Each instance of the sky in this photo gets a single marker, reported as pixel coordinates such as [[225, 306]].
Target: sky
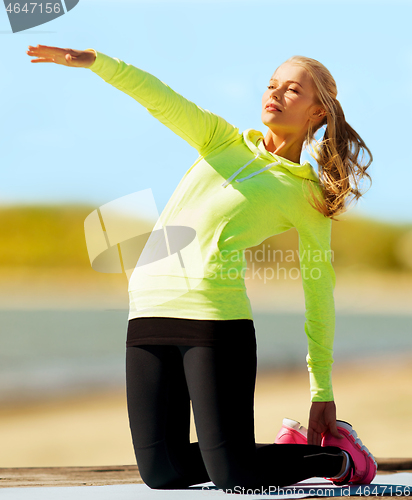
[[67, 136]]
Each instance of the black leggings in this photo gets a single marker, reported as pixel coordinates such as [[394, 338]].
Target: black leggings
[[220, 382]]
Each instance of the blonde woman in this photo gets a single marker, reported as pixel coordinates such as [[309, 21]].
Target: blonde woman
[[200, 345]]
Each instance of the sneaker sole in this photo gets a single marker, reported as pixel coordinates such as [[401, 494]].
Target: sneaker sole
[[356, 441], [353, 433]]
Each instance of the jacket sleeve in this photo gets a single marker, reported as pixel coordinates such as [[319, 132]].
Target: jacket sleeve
[[319, 279], [202, 129]]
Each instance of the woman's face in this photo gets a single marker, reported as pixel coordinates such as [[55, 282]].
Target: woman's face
[[290, 101]]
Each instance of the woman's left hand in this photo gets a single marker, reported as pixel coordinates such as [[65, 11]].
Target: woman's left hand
[[322, 418]]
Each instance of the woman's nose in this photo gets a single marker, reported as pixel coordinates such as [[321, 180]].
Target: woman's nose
[[275, 94]]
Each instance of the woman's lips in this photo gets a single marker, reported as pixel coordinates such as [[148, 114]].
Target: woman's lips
[[272, 107]]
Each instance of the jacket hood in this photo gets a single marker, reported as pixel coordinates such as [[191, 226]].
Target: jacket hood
[[254, 141]]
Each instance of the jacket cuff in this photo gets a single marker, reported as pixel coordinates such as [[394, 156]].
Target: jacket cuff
[[321, 386], [104, 66]]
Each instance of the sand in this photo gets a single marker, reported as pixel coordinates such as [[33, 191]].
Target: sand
[[93, 431]]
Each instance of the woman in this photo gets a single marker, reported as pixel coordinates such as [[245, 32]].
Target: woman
[[190, 334]]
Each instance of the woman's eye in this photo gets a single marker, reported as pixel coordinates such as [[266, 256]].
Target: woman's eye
[[293, 90]]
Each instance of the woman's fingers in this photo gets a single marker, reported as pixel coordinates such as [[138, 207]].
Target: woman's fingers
[[43, 59], [44, 50], [44, 53], [39, 59]]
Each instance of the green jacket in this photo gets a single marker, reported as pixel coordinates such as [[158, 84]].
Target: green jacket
[[235, 196]]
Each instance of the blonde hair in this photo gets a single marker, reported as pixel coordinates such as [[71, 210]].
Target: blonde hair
[[340, 154]]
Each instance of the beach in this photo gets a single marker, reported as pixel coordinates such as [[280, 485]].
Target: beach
[[91, 428]]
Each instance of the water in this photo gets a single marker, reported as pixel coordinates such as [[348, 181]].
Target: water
[[55, 353]]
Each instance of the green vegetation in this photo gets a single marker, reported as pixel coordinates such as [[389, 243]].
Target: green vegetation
[[43, 236], [357, 244], [53, 236]]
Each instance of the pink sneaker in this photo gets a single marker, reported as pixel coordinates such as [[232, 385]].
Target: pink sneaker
[[291, 432], [363, 465]]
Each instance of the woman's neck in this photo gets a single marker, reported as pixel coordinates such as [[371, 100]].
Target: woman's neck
[[287, 147]]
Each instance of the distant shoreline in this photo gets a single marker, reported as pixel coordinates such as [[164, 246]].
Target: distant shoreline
[[356, 291]]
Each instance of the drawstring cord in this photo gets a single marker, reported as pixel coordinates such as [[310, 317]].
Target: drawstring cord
[[235, 174], [259, 171], [229, 180]]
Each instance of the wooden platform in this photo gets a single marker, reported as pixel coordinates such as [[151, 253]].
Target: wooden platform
[[122, 474]]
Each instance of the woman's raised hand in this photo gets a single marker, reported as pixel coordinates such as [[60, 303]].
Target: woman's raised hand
[[66, 57]]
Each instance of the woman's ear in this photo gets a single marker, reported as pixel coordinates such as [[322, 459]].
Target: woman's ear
[[317, 113]]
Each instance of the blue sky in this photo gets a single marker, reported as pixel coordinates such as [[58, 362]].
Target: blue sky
[[68, 136]]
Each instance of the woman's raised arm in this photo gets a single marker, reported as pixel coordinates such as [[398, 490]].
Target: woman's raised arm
[[200, 128]]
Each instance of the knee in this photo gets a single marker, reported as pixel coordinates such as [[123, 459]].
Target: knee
[[157, 472], [156, 479], [229, 478]]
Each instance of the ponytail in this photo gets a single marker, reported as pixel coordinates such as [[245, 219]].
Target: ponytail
[[341, 152]]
